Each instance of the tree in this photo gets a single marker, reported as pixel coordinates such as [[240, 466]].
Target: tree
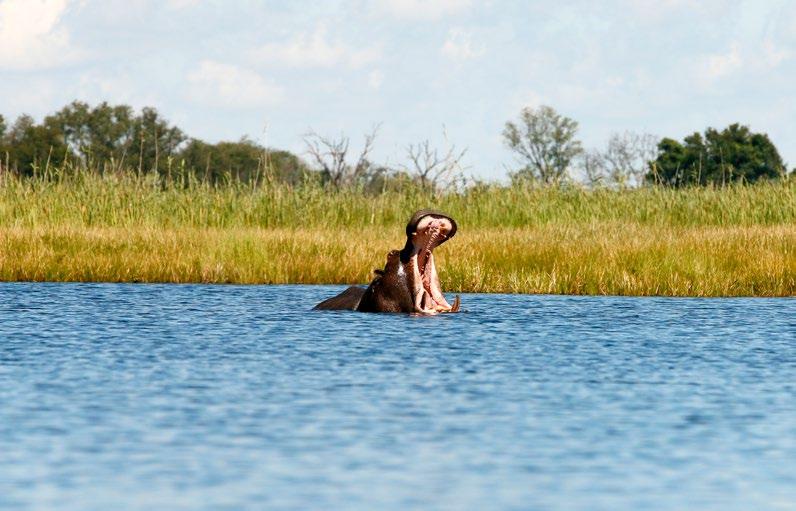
[[718, 157], [100, 136], [624, 162], [592, 162], [545, 142], [32, 148], [156, 139], [286, 167], [383, 179], [244, 160], [331, 155], [113, 135], [115, 138], [627, 157], [430, 168]]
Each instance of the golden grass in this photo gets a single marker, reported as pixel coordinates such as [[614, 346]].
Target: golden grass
[[616, 258], [75, 225]]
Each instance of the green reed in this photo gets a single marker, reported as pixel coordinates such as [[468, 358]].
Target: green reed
[[81, 198], [74, 225]]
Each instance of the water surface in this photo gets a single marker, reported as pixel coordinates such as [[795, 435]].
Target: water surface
[[231, 397]]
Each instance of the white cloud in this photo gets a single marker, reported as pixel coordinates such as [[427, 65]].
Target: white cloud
[[115, 86], [717, 66], [739, 60], [774, 55], [459, 46], [316, 50], [657, 11], [375, 79], [423, 9], [227, 85], [30, 35], [182, 4], [35, 95], [526, 99]]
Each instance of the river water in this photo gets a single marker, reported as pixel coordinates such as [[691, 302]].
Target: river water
[[134, 397]]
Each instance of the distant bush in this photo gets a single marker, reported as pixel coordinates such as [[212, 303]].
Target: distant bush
[[735, 154], [243, 160]]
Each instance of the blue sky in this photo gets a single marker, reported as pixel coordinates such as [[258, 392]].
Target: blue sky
[[273, 70]]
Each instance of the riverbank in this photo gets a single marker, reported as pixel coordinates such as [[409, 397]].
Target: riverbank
[[738, 241]]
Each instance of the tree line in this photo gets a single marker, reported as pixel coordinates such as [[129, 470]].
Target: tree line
[[547, 149], [115, 138]]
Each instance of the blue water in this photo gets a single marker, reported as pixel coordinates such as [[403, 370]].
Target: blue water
[[230, 397]]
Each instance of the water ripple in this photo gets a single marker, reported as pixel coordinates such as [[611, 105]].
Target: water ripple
[[228, 397]]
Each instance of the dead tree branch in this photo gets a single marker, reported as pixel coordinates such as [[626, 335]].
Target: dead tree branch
[[431, 168], [331, 155]]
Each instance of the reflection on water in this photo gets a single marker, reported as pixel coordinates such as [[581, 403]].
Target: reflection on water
[[227, 397]]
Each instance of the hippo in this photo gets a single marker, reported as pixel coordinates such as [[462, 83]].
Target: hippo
[[409, 282]]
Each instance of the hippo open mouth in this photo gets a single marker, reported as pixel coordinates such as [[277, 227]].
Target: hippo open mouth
[[425, 231], [409, 282]]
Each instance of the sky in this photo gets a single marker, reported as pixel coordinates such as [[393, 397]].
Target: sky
[[449, 71]]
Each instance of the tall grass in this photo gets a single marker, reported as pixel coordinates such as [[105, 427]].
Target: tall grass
[[88, 200], [80, 226]]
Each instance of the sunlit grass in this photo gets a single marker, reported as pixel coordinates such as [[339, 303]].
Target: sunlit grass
[[652, 241]]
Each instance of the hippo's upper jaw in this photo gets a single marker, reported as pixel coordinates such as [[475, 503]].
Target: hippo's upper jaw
[[425, 231]]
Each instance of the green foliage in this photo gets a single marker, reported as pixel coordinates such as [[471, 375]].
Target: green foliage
[[30, 148], [156, 140], [110, 137], [545, 142], [720, 157], [114, 138], [244, 160], [99, 134], [286, 167], [384, 180]]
